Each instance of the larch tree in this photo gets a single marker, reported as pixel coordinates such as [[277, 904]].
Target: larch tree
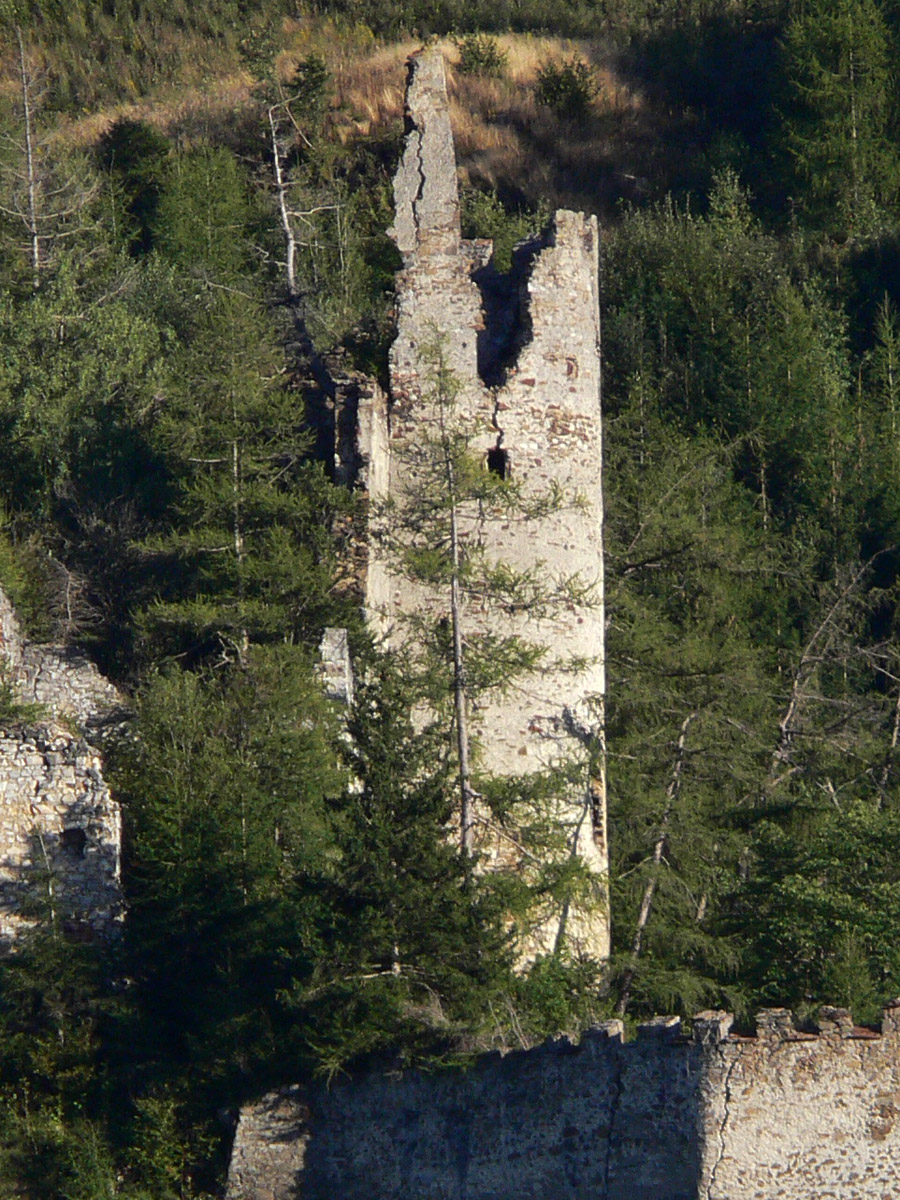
[[838, 113]]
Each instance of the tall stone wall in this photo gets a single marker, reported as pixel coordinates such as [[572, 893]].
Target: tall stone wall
[[537, 421], [665, 1117], [60, 829]]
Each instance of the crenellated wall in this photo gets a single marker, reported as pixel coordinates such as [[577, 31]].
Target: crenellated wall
[[712, 1116], [523, 354], [60, 829]]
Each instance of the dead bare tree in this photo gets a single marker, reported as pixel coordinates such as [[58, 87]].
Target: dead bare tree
[[47, 202], [659, 849], [782, 765]]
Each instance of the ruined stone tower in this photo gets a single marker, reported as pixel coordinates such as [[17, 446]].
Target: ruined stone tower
[[524, 360]]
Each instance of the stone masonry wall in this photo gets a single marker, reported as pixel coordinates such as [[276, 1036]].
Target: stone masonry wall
[[58, 678], [715, 1116], [540, 417], [60, 834], [60, 829], [12, 644]]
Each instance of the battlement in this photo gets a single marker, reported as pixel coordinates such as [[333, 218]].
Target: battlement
[[668, 1115]]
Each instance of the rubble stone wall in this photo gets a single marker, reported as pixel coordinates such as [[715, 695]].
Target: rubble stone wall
[[12, 643], [60, 834], [60, 829], [665, 1117], [60, 679]]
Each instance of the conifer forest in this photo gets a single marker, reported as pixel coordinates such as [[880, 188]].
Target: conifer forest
[[193, 211]]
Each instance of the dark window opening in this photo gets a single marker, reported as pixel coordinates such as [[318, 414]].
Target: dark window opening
[[498, 461], [73, 841]]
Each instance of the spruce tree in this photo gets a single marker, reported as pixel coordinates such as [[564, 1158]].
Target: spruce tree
[[837, 118]]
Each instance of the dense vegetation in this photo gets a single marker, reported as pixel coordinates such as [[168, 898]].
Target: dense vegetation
[[293, 903]]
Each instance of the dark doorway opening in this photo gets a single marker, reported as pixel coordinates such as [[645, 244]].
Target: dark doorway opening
[[498, 461]]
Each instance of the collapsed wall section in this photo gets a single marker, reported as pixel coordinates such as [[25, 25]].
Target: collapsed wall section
[[540, 429], [665, 1117], [60, 829]]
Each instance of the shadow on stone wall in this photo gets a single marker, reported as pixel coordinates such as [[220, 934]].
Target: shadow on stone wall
[[664, 1117]]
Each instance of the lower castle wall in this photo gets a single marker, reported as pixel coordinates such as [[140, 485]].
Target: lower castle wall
[[783, 1114]]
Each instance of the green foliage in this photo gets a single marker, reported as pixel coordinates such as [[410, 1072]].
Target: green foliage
[[480, 54], [817, 913], [412, 948], [225, 787], [838, 115], [76, 375], [249, 550], [484, 215], [134, 153], [557, 996], [567, 89], [310, 88], [201, 218], [51, 1077]]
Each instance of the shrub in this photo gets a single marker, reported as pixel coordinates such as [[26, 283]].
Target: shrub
[[485, 216], [480, 55], [567, 89]]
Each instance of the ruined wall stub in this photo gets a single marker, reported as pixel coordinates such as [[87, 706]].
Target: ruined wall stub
[[664, 1117], [542, 416], [60, 829]]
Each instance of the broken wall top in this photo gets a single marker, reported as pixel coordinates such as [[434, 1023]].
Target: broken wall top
[[60, 679], [426, 195]]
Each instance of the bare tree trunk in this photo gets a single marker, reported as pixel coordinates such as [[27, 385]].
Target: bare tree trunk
[[30, 165], [238, 534], [809, 659], [459, 692], [889, 757], [466, 792], [281, 193], [658, 850]]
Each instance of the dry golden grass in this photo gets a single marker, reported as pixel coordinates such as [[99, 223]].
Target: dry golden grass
[[504, 139], [188, 115], [370, 91]]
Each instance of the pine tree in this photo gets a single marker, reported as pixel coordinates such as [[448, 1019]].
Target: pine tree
[[412, 946], [251, 557]]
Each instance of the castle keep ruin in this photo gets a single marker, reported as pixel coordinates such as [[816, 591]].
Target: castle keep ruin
[[523, 368], [60, 829]]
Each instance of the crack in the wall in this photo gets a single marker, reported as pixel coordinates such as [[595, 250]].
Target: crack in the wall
[[417, 132], [495, 419], [615, 1105], [726, 1113]]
